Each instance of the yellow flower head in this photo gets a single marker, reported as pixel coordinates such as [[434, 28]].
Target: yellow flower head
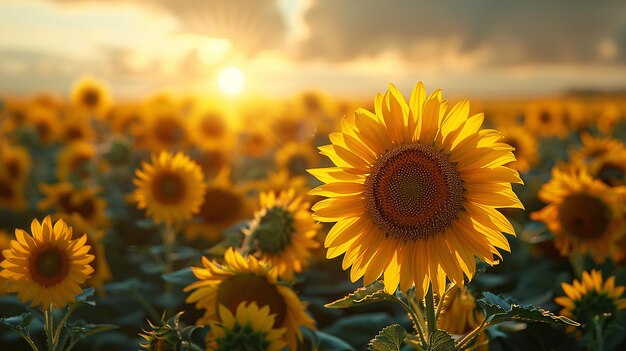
[[591, 297], [47, 267], [546, 119], [583, 214], [415, 192], [245, 279], [91, 95], [66, 198], [525, 145], [296, 158], [460, 315], [171, 188], [75, 161], [249, 328], [283, 232]]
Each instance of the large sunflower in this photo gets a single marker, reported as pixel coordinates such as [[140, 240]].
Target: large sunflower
[[47, 267], [591, 297], [583, 214], [415, 192], [248, 328], [245, 279], [171, 188], [283, 232], [66, 198]]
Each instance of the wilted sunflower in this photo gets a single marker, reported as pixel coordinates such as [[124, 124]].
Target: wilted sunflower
[[525, 145], [171, 188], [224, 205], [591, 297], [583, 214], [415, 192], [66, 198], [546, 119], [283, 232], [75, 162], [460, 315], [296, 158], [91, 95], [47, 267], [248, 328], [245, 279]]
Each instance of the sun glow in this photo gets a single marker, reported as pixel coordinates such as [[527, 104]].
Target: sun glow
[[231, 80]]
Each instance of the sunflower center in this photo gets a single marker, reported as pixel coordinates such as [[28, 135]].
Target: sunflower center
[[220, 205], [74, 133], [168, 188], [168, 130], [43, 129], [212, 126], [583, 216], [593, 304], [274, 230], [250, 287], [49, 266], [6, 190], [612, 175], [91, 97], [86, 208], [80, 165], [212, 162], [13, 168], [242, 338], [544, 117], [414, 192]]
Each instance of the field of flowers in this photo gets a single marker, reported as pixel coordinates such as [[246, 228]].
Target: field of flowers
[[312, 223]]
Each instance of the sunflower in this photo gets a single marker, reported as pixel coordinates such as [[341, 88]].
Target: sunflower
[[546, 119], [214, 159], [75, 161], [165, 129], [209, 127], [66, 198], [460, 315], [583, 214], [127, 119], [608, 117], [11, 194], [101, 270], [224, 205], [255, 142], [76, 126], [415, 192], [249, 328], [245, 279], [171, 188], [296, 158], [5, 243], [47, 267], [282, 232], [594, 149], [525, 145], [591, 297], [45, 122], [15, 163], [611, 170], [91, 95], [281, 180], [290, 127]]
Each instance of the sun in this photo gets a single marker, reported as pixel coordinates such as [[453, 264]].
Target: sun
[[231, 80]]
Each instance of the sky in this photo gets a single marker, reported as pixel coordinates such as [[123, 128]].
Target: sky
[[349, 48]]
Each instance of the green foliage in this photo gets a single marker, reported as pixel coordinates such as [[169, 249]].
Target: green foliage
[[372, 293], [498, 309], [388, 339], [440, 340]]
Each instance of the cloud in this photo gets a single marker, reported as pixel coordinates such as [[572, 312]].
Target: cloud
[[498, 32]]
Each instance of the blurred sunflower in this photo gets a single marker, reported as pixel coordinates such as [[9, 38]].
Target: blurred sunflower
[[609, 116], [255, 141], [525, 145], [76, 161], [245, 279], [224, 205], [591, 297], [546, 119], [47, 267], [5, 243], [595, 148], [209, 127], [281, 180], [91, 95], [460, 315], [101, 270], [15, 163], [290, 127], [46, 124], [13, 115], [611, 169], [296, 158], [127, 119], [11, 194], [583, 214], [248, 328], [283, 232], [66, 198], [171, 188], [166, 129], [415, 192], [214, 159], [76, 126]]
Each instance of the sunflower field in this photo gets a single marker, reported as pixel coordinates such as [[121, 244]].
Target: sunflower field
[[409, 219]]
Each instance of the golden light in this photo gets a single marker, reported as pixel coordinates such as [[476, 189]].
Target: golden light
[[231, 80]]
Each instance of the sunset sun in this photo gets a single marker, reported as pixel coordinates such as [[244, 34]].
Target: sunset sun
[[231, 80]]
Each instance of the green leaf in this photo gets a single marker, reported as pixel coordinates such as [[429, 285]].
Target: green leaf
[[85, 295], [499, 309], [83, 329], [371, 293], [181, 277], [440, 340], [17, 323], [388, 339]]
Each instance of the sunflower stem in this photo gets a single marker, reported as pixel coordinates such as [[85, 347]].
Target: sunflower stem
[[430, 311], [440, 304], [469, 337], [59, 329], [416, 320], [599, 342], [49, 328]]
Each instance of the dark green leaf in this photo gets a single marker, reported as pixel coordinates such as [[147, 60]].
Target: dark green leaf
[[320, 341], [83, 329], [181, 277], [86, 294], [17, 323], [371, 293], [440, 340], [389, 339], [498, 309]]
